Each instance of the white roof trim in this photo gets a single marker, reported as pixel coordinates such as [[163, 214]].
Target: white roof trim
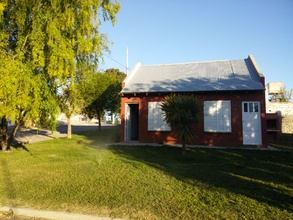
[[132, 72], [251, 57]]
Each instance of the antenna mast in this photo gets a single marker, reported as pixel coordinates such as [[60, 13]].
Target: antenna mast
[[126, 60]]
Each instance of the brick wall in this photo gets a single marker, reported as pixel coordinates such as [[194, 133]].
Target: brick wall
[[233, 138], [286, 111]]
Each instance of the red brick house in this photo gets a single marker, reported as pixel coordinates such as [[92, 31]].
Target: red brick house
[[232, 92]]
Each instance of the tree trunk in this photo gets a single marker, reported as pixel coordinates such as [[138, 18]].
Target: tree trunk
[[12, 135], [5, 141], [69, 130], [3, 135], [100, 123]]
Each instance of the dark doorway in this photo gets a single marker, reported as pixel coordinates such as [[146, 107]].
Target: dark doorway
[[131, 122], [134, 121]]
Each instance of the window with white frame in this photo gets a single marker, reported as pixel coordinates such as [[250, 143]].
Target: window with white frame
[[217, 116], [155, 118]]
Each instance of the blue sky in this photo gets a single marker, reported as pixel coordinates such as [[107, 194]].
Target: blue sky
[[179, 31]]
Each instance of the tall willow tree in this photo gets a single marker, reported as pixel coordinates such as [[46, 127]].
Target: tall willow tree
[[45, 45], [20, 97]]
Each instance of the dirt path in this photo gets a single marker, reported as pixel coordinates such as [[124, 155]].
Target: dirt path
[[31, 214]]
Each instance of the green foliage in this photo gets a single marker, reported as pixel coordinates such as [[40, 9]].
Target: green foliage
[[56, 35], [181, 112], [45, 46], [48, 108], [101, 92], [283, 96], [20, 90], [93, 87], [84, 175], [70, 100], [112, 94]]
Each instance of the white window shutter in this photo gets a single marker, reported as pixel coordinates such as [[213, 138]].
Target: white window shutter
[[217, 116], [155, 118], [226, 106], [151, 118], [210, 116]]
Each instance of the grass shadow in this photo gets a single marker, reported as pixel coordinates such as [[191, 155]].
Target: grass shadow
[[94, 138], [261, 175], [265, 176], [19, 145]]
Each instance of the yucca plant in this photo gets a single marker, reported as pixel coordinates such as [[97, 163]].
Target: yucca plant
[[182, 113]]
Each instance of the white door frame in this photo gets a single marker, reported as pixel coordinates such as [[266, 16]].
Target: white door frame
[[127, 123]]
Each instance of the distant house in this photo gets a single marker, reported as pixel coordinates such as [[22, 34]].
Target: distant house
[[232, 92]]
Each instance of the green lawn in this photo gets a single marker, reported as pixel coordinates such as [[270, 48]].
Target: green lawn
[[83, 175]]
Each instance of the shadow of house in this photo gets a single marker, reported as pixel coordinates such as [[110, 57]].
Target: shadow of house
[[256, 175], [261, 175]]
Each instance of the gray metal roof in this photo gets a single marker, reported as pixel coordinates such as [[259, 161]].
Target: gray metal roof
[[223, 75]]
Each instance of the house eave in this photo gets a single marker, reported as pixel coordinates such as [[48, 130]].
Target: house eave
[[147, 93]]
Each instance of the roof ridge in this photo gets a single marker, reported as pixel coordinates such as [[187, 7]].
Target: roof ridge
[[183, 63]]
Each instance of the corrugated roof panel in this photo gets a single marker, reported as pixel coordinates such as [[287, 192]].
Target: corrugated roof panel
[[188, 77]]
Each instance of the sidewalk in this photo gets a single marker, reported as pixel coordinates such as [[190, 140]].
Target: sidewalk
[[17, 213], [32, 135], [135, 143], [26, 136]]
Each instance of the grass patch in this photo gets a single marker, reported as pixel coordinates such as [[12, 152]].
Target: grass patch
[[84, 175]]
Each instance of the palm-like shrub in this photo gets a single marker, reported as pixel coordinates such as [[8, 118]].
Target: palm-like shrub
[[182, 113]]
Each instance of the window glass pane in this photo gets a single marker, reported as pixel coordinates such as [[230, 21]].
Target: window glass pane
[[245, 107], [255, 107]]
